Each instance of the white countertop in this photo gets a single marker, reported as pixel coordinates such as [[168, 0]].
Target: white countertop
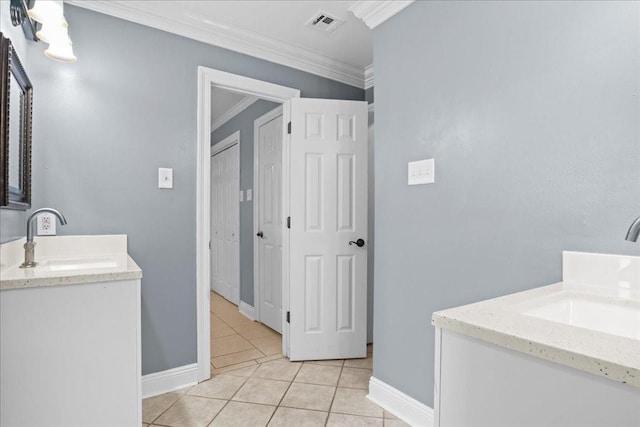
[[67, 260], [500, 321]]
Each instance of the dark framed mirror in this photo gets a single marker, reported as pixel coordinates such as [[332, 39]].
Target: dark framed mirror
[[15, 130]]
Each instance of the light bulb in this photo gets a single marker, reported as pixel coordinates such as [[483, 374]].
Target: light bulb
[[50, 33], [49, 11], [61, 51]]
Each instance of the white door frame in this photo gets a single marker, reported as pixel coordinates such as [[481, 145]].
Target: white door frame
[[207, 78], [219, 147], [256, 209]]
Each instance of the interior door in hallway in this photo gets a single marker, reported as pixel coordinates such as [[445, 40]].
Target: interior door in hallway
[[268, 134], [225, 222], [327, 252]]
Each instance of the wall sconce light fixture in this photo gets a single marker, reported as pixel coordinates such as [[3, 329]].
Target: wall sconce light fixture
[[19, 16], [54, 28]]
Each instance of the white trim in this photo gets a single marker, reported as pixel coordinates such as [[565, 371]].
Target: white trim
[[229, 141], [208, 78], [436, 378], [139, 384], [248, 311], [399, 404], [203, 225], [375, 12], [236, 39], [233, 111], [256, 208], [286, 212], [368, 76], [169, 380]]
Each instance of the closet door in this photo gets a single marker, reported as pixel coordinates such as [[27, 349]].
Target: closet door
[[225, 223]]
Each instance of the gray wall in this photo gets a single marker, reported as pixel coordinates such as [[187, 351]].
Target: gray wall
[[368, 95], [530, 110], [243, 122], [102, 127]]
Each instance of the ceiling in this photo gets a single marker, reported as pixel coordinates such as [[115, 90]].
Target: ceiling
[[226, 105], [274, 30], [223, 100]]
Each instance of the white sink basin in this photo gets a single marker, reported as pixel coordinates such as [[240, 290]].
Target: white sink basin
[[80, 264], [621, 318]]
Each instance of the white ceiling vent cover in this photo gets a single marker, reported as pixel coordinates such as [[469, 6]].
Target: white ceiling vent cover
[[324, 22]]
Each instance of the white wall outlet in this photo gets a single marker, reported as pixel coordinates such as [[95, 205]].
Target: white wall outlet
[[422, 172], [241, 196], [46, 224], [165, 177], [249, 195]]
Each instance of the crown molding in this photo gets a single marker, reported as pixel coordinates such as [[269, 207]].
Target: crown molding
[[368, 76], [375, 12], [233, 111], [238, 40]]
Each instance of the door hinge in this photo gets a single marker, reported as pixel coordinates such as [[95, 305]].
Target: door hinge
[[209, 244], [288, 222], [289, 128], [288, 317]]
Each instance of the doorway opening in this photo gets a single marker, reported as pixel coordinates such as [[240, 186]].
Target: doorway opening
[[246, 229], [209, 79], [324, 203]]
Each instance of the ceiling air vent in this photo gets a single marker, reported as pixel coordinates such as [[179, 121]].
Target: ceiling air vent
[[324, 22]]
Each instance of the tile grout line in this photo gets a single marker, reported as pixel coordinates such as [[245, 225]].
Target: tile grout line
[[283, 395], [334, 394], [163, 412], [236, 352], [238, 334], [228, 400]]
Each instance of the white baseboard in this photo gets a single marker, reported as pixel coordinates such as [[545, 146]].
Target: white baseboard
[[399, 404], [247, 310], [169, 380]]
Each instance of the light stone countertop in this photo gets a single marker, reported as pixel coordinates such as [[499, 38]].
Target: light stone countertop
[[500, 321], [101, 259]]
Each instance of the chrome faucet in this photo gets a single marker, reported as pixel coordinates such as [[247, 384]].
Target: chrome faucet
[[634, 231], [29, 247]]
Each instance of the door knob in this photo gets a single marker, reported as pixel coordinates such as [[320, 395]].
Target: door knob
[[260, 234], [359, 243]]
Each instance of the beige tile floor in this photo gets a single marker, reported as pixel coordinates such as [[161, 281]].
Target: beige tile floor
[[253, 384]]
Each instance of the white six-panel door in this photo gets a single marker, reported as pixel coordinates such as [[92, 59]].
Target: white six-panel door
[[327, 276], [269, 239], [225, 223]]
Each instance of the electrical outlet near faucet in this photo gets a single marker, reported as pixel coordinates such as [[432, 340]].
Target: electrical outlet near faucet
[[422, 172], [46, 224]]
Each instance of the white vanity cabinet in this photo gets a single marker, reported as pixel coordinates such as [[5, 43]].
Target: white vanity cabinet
[[562, 355], [481, 384], [70, 355], [70, 344]]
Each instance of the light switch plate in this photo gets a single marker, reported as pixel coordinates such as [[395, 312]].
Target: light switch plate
[[249, 194], [422, 172], [165, 177], [46, 224]]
